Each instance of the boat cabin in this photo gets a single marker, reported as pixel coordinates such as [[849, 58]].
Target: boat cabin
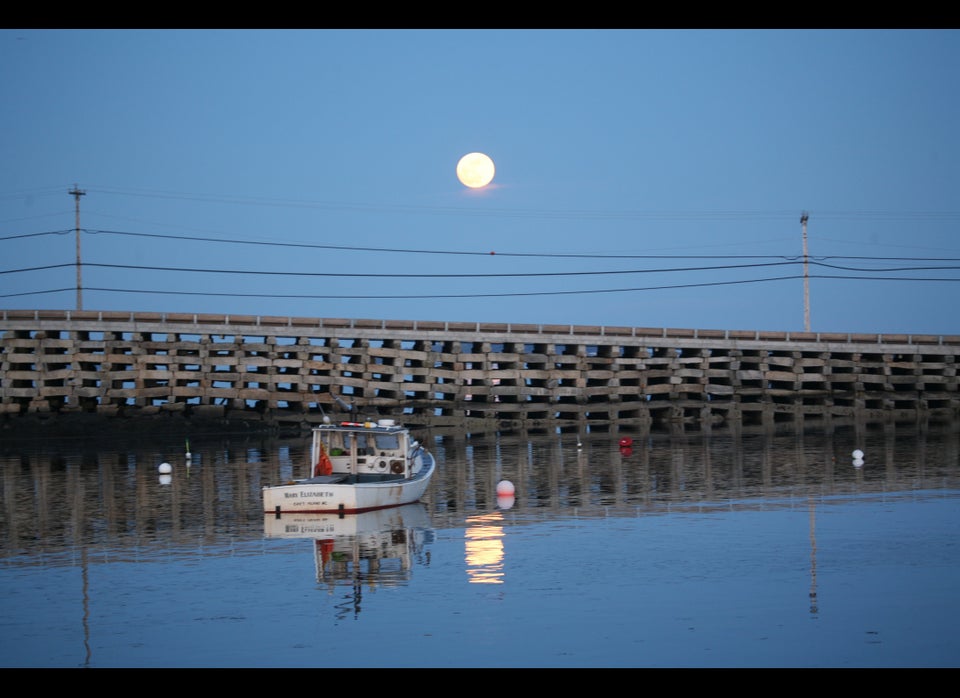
[[371, 451]]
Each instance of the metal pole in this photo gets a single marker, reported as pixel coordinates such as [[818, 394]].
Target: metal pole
[[76, 194], [806, 276]]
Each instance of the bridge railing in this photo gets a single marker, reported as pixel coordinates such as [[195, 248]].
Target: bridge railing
[[275, 322]]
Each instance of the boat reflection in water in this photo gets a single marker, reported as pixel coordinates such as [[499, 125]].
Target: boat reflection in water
[[369, 550]]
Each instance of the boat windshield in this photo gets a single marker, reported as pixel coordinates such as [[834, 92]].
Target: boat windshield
[[338, 443], [387, 442]]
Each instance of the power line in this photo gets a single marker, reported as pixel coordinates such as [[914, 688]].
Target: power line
[[376, 275], [491, 275], [34, 235], [545, 255], [784, 260], [354, 248], [436, 296], [740, 214]]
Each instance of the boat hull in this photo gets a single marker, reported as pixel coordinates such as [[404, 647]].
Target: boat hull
[[307, 497]]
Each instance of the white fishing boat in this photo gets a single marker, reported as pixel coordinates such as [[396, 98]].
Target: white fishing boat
[[356, 467]]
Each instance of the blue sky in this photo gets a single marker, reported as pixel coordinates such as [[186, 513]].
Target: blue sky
[[649, 178]]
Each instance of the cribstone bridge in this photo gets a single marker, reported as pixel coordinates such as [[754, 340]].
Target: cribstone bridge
[[287, 370]]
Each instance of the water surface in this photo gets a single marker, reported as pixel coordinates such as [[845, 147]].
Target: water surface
[[765, 549]]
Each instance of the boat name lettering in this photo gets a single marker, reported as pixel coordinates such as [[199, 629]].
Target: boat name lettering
[[317, 529]]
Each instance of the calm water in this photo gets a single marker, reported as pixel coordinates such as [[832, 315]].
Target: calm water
[[753, 549]]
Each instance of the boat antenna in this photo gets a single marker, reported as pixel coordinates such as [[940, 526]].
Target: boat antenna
[[343, 405], [347, 406]]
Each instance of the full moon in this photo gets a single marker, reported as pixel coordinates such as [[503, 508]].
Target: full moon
[[475, 170]]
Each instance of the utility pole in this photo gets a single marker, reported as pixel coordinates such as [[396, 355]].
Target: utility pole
[[806, 276], [76, 194]]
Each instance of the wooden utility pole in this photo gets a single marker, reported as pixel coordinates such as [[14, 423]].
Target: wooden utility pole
[[76, 194], [806, 277]]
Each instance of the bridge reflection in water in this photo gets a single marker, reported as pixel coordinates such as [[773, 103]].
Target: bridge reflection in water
[[58, 495]]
